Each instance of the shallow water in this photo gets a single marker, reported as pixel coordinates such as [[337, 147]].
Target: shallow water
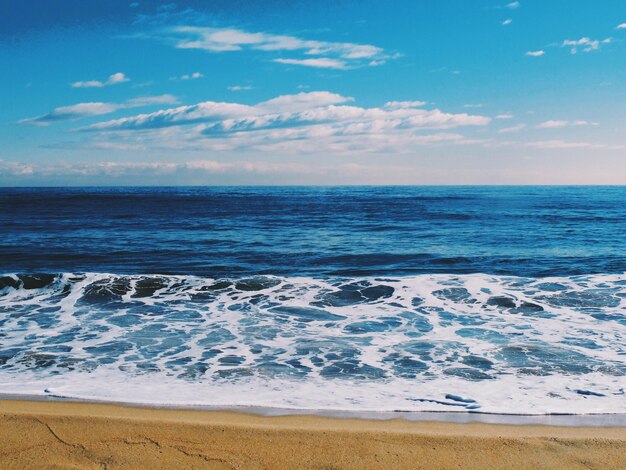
[[500, 300]]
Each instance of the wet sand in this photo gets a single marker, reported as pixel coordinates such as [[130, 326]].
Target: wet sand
[[41, 434]]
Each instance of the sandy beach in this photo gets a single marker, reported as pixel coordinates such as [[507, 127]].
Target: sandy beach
[[36, 434]]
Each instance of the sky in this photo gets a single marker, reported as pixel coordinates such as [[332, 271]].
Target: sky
[[230, 92]]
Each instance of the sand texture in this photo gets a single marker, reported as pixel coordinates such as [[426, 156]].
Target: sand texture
[[78, 435]]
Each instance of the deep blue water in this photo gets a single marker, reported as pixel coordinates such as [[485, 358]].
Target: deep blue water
[[524, 231], [496, 299]]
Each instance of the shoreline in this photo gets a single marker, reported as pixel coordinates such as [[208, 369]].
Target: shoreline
[[596, 420], [63, 434]]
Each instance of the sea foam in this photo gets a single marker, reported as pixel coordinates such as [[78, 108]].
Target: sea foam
[[477, 342]]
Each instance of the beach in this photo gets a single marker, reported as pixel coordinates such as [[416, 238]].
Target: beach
[[312, 235], [48, 434], [288, 328]]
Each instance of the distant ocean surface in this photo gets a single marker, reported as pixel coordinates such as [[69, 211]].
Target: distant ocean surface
[[484, 299]]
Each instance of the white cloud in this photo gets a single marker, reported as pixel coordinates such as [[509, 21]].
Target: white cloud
[[303, 122], [192, 76], [552, 124], [182, 115], [240, 87], [513, 5], [312, 53], [535, 53], [507, 22], [404, 104], [322, 62], [83, 110], [211, 111], [291, 110], [116, 169], [510, 130], [621, 26], [585, 43], [504, 116], [149, 101], [114, 79], [303, 101], [556, 124], [561, 144], [15, 169], [76, 111], [476, 105]]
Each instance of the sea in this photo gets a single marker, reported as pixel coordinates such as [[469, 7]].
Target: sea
[[506, 300]]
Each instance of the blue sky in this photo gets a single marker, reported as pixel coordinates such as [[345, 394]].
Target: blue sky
[[341, 92]]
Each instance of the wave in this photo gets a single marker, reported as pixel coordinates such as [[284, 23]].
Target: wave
[[433, 342]]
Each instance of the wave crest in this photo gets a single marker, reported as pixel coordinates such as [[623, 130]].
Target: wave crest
[[547, 344]]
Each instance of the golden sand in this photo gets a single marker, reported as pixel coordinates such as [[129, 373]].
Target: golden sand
[[79, 435]]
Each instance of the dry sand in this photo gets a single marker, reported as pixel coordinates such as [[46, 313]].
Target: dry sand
[[79, 435]]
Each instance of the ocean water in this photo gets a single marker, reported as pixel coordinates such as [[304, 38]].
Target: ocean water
[[471, 299]]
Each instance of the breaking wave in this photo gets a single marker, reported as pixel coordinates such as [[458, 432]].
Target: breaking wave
[[437, 342]]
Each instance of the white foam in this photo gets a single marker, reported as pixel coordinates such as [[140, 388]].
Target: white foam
[[505, 395], [574, 343]]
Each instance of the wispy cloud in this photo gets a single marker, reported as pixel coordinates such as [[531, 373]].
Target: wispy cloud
[[621, 26], [513, 5], [535, 53], [556, 124], [585, 44], [240, 87], [138, 168], [305, 122], [192, 76], [114, 79], [190, 169], [76, 111], [504, 116], [311, 107], [149, 101], [15, 169], [183, 115], [322, 63], [404, 104], [83, 110], [312, 53], [507, 22], [302, 101], [512, 129], [561, 144]]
